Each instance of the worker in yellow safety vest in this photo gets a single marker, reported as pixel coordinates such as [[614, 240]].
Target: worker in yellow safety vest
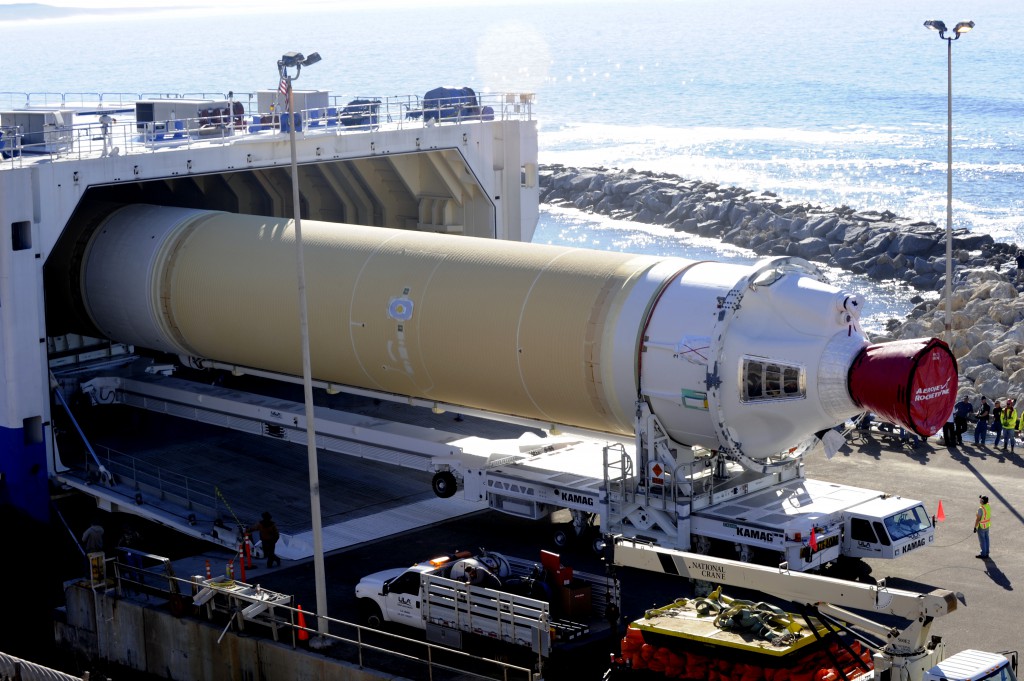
[[982, 523], [1009, 419]]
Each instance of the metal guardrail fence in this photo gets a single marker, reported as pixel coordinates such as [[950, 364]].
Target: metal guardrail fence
[[137, 573], [94, 136], [198, 496]]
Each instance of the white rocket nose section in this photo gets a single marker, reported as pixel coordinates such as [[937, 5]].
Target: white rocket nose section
[[912, 383]]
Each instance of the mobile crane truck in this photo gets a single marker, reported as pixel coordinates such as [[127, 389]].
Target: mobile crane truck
[[706, 639]]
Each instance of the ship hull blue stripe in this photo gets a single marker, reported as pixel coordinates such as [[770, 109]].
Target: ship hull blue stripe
[[24, 485]]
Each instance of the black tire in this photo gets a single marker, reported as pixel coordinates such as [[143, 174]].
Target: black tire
[[561, 537], [370, 614], [444, 484], [597, 545]]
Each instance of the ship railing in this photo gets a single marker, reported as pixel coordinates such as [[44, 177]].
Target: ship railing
[[88, 137], [136, 573], [147, 483], [393, 108], [66, 100]]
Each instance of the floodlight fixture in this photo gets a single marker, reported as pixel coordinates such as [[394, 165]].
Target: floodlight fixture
[[295, 60], [290, 59], [963, 27]]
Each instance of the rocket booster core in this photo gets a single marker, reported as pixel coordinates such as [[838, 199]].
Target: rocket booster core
[[744, 359]]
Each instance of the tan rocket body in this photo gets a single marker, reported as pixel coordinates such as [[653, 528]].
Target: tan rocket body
[[500, 326], [749, 359]]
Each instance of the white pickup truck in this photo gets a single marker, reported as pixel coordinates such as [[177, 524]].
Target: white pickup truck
[[537, 605]]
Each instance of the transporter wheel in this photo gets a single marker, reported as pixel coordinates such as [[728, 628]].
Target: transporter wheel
[[444, 484], [562, 536], [370, 614]]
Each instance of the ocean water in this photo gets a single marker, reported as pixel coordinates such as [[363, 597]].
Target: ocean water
[[833, 103]]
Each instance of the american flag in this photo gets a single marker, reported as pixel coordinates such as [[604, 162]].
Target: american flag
[[283, 87]]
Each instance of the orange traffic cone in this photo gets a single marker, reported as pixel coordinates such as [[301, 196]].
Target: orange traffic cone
[[940, 515], [814, 539], [303, 634]]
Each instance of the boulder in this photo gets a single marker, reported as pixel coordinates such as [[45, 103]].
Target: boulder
[[680, 211], [981, 350], [837, 234], [982, 373], [925, 282], [876, 244], [1012, 365], [581, 182], [811, 248], [689, 225], [625, 186], [656, 203], [911, 244], [881, 267], [971, 241], [646, 216], [1017, 380], [995, 387], [1001, 352]]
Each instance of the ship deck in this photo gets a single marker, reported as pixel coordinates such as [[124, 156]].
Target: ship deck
[[232, 477], [46, 127]]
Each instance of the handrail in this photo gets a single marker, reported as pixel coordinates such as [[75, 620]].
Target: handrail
[[127, 136], [159, 579], [192, 493]]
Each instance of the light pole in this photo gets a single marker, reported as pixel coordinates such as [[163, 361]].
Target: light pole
[[296, 61], [958, 30]]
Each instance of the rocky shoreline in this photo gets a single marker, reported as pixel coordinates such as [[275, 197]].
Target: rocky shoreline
[[987, 335]]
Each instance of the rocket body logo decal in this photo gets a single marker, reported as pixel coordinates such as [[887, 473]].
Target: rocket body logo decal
[[400, 308]]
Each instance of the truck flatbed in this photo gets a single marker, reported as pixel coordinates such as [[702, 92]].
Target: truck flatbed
[[686, 621], [736, 640]]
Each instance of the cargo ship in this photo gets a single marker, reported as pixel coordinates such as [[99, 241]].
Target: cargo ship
[[448, 162]]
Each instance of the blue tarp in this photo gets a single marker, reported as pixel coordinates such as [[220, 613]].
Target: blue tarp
[[360, 112], [450, 102]]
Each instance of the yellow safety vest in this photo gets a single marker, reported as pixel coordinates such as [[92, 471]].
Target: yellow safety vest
[[986, 516], [1009, 419]]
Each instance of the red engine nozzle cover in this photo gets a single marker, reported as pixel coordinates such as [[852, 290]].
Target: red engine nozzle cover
[[912, 383]]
